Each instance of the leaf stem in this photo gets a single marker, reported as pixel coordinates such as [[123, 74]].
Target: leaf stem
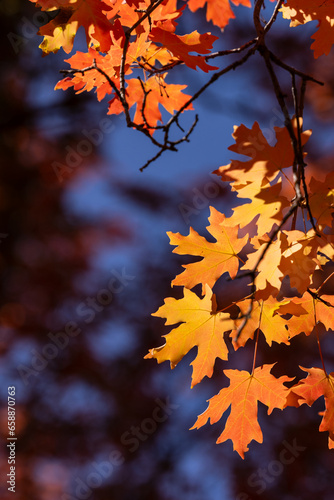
[[257, 339], [318, 339]]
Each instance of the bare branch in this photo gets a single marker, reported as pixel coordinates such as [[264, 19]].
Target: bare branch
[[293, 70], [317, 297], [274, 16], [231, 51]]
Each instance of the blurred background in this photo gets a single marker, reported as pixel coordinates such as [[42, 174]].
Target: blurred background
[[85, 260]]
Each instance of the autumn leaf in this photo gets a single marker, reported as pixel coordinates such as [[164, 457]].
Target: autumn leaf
[[243, 394], [268, 267], [109, 63], [92, 79], [266, 203], [60, 31], [299, 259], [217, 11], [160, 54], [301, 12], [317, 384], [265, 318], [163, 16], [292, 254], [266, 161], [326, 249], [321, 195], [181, 46], [307, 311], [217, 258], [201, 326], [157, 91]]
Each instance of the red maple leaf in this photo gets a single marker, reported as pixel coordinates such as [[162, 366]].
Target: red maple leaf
[[147, 96], [181, 46]]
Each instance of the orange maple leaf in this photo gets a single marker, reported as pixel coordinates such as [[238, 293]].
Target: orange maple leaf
[[201, 326], [160, 54], [292, 254], [157, 91], [181, 46], [317, 384], [89, 80], [109, 63], [302, 12], [266, 161], [217, 11], [163, 16], [307, 311], [217, 258], [60, 31], [326, 249], [242, 395], [321, 199]]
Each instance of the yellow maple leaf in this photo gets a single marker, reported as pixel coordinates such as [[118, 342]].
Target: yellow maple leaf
[[268, 267], [266, 204], [201, 326], [61, 31], [265, 318], [299, 259]]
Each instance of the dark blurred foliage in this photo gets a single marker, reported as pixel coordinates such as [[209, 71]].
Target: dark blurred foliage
[[94, 420]]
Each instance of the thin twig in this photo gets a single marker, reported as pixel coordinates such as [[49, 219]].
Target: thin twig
[[146, 92], [213, 79], [90, 68], [128, 33], [293, 70], [317, 297], [273, 17], [237, 50], [301, 166], [171, 146]]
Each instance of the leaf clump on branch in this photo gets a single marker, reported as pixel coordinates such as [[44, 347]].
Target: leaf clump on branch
[[281, 233]]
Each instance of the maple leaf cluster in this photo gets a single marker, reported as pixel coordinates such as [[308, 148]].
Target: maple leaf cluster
[[278, 236], [265, 180], [123, 37]]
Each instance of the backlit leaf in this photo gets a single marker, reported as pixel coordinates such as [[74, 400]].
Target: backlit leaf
[[217, 258], [201, 326], [317, 384], [243, 394]]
